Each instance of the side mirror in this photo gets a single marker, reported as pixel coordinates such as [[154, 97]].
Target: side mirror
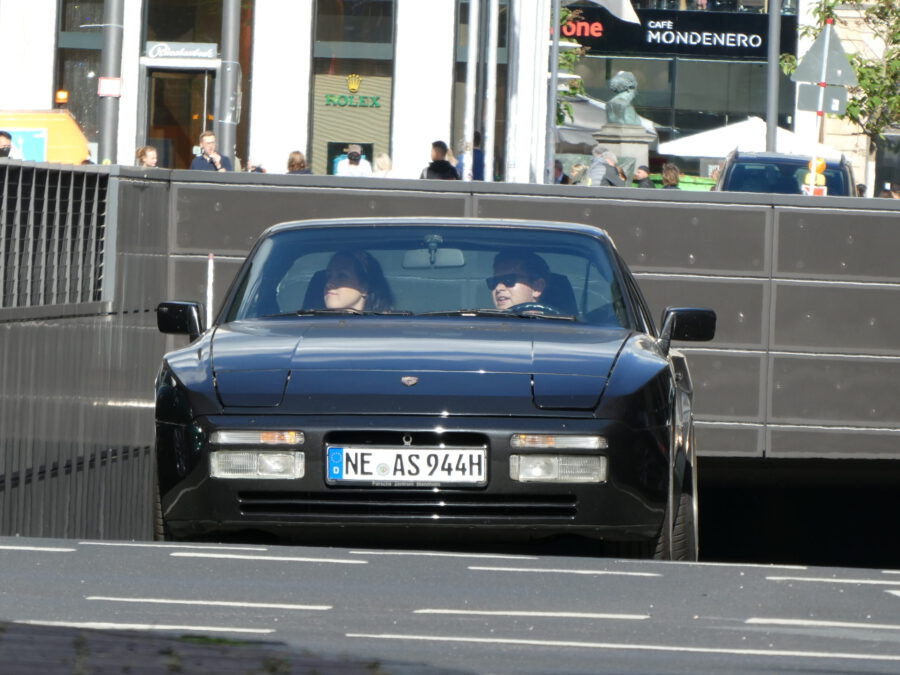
[[180, 318], [688, 324]]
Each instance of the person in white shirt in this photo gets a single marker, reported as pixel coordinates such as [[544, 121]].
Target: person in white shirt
[[354, 164]]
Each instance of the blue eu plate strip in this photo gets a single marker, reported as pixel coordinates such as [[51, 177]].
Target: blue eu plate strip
[[335, 463]]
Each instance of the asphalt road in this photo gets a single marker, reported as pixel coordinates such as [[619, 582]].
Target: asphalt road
[[71, 606]]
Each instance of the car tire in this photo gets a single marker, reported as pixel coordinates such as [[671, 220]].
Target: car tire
[[160, 530], [683, 542]]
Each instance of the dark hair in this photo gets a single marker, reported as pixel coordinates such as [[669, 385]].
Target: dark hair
[[476, 141], [6, 134], [379, 297], [441, 146], [532, 264], [296, 161], [670, 174]]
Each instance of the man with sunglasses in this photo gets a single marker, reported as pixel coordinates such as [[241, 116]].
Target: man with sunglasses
[[519, 276]]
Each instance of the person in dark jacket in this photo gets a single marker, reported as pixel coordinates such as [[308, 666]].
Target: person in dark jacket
[[440, 168], [209, 158], [642, 177]]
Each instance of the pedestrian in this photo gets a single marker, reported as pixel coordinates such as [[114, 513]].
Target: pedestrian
[[354, 164], [603, 171], [383, 166], [578, 173], [559, 176], [209, 158], [670, 176], [440, 168], [895, 190], [642, 177], [6, 146], [146, 156], [861, 190], [297, 164], [477, 155]]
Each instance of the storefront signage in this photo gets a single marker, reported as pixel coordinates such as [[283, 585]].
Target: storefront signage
[[182, 50], [705, 34], [351, 100]]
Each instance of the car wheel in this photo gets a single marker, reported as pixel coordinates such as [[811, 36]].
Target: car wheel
[[683, 544]]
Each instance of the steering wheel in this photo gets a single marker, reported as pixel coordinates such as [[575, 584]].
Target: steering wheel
[[535, 308]]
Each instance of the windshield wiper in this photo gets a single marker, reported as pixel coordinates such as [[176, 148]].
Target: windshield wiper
[[324, 311], [498, 313]]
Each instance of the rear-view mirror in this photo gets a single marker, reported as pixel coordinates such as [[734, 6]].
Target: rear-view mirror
[[429, 258], [688, 324]]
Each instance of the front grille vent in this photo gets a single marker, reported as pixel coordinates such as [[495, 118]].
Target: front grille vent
[[390, 505]]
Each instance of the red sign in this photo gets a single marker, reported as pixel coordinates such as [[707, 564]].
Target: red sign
[[583, 29]]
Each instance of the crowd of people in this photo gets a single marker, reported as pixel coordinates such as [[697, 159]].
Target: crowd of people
[[603, 171]]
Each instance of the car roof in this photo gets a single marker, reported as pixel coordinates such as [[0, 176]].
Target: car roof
[[591, 230], [779, 157]]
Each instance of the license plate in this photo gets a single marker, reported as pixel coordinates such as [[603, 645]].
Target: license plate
[[407, 465]]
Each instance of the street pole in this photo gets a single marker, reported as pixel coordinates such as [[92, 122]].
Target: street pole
[[471, 85], [772, 68], [110, 72], [490, 90], [552, 95], [228, 112]]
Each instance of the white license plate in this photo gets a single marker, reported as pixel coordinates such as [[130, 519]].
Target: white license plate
[[407, 465]]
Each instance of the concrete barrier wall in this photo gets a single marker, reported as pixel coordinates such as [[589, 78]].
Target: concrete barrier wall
[[806, 363]]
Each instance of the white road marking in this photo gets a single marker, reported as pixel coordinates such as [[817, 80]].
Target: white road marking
[[437, 554], [812, 623], [564, 571], [683, 563], [630, 647], [209, 603], [276, 558], [890, 571], [894, 593], [100, 625], [550, 615], [44, 549], [204, 547], [825, 580]]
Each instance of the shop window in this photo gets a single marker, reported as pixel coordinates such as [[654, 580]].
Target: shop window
[[79, 42], [184, 20], [353, 68]]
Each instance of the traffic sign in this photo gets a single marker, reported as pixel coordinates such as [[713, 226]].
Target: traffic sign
[[826, 51], [834, 101]]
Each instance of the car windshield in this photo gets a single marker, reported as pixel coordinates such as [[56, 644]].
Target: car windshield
[[784, 177], [522, 272]]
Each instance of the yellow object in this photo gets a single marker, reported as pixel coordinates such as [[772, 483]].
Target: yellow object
[[820, 165], [65, 144]]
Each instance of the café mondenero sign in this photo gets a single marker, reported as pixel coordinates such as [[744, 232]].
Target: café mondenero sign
[[702, 34]]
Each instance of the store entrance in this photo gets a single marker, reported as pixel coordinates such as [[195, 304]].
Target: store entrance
[[181, 104]]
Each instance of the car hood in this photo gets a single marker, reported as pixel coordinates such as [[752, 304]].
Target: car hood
[[412, 366]]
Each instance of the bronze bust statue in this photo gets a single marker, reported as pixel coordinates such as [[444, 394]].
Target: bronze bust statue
[[619, 109]]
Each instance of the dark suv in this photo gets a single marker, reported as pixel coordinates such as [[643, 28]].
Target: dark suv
[[782, 174]]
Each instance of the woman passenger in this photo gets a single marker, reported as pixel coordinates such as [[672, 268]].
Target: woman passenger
[[354, 280]]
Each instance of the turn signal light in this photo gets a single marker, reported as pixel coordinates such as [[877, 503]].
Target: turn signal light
[[558, 441], [257, 438]]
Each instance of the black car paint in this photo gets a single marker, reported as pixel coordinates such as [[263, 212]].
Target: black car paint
[[637, 395]]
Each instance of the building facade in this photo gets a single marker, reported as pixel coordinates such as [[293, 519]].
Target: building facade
[[389, 75]]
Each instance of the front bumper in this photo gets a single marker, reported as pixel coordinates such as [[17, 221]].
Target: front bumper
[[628, 505]]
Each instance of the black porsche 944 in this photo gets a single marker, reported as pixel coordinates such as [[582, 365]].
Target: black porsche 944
[[436, 373]]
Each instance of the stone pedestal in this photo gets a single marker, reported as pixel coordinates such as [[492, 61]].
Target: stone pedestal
[[630, 143]]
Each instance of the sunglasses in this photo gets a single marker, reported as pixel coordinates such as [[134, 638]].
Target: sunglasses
[[508, 280]]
